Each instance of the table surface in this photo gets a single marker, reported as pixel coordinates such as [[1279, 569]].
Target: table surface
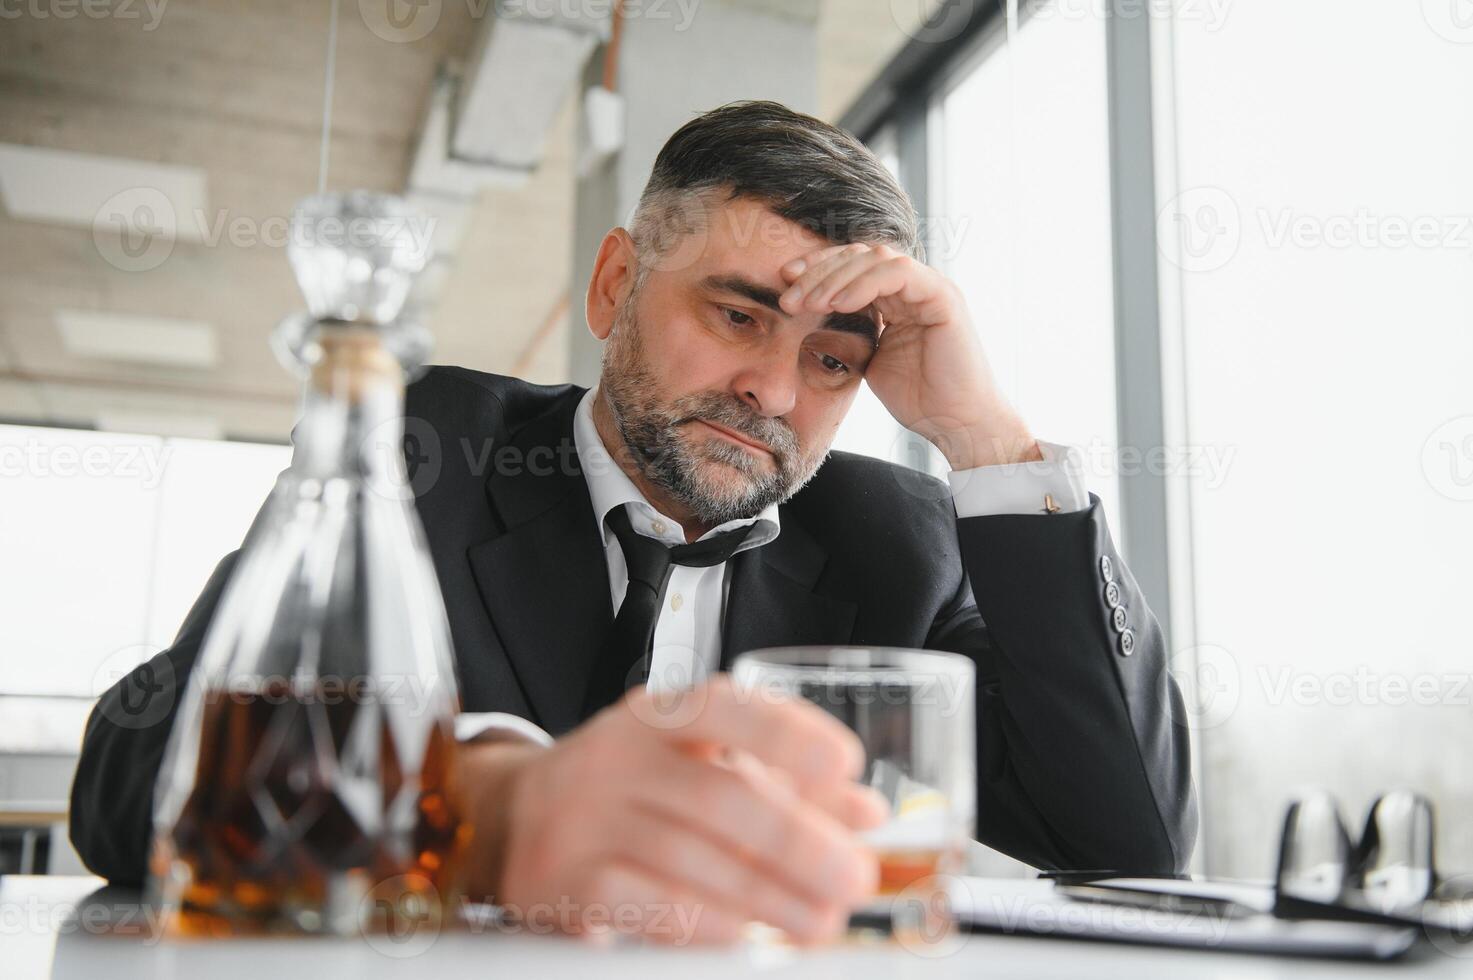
[[42, 934]]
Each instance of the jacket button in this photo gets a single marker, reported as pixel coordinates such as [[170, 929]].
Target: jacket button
[[1127, 643], [1117, 619], [1112, 594], [1107, 569]]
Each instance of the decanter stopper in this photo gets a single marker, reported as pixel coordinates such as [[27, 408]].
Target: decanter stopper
[[356, 256]]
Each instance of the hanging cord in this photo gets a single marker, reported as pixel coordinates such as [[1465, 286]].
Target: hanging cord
[[611, 56], [332, 59], [1009, 56]]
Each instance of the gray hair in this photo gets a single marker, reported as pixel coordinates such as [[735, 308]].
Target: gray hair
[[803, 169]]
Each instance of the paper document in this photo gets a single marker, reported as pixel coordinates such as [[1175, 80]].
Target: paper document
[[1035, 908]]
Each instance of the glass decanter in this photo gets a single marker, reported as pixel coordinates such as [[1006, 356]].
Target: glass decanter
[[308, 784]]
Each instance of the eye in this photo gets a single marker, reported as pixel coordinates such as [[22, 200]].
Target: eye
[[832, 364], [736, 317]]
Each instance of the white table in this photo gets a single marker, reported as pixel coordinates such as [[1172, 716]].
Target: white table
[[40, 936]]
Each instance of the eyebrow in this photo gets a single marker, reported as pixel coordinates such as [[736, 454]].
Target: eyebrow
[[855, 323]]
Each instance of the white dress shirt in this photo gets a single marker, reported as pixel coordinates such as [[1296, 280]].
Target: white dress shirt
[[687, 643]]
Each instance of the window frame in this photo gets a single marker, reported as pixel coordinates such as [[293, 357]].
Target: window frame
[[906, 97]]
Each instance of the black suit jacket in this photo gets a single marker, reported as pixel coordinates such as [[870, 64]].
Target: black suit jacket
[[1081, 754]]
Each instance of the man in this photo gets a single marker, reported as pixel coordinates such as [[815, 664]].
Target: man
[[770, 266]]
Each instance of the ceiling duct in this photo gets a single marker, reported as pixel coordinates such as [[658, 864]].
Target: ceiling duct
[[488, 120], [488, 123]]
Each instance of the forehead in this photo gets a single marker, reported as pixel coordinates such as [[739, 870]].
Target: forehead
[[747, 232], [741, 250]]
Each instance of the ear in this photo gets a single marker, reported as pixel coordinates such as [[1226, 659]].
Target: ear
[[613, 275]]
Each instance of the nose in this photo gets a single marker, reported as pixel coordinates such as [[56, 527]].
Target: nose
[[768, 384]]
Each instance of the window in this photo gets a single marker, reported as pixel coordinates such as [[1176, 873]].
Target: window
[[1318, 234], [1007, 146], [108, 539], [869, 428], [1313, 228], [1021, 222], [1016, 200]]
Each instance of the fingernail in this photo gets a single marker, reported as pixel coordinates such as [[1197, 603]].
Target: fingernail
[[796, 266], [825, 924], [797, 918]]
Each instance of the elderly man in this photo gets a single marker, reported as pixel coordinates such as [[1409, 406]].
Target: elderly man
[[593, 545]]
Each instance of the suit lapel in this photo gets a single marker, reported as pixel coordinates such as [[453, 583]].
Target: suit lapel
[[772, 602], [544, 579], [545, 583]]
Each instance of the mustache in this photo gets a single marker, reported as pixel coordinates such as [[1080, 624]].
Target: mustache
[[773, 433]]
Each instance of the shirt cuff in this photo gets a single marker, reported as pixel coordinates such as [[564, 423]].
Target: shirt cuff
[[1020, 488], [498, 726]]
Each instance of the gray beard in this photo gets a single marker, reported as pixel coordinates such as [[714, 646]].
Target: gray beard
[[651, 430]]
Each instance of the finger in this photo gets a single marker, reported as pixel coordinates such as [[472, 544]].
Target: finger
[[621, 897], [779, 730], [887, 277], [794, 297], [856, 806], [764, 822], [842, 276], [742, 762], [673, 851], [797, 266]]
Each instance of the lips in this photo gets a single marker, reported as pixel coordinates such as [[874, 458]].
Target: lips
[[737, 437]]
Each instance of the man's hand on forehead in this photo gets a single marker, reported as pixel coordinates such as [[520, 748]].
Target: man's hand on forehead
[[928, 369], [865, 323]]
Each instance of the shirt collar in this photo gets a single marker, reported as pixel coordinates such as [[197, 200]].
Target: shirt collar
[[609, 487]]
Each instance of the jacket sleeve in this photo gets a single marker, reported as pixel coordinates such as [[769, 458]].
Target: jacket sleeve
[[1083, 757], [111, 813]]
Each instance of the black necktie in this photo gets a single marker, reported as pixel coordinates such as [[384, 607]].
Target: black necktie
[[624, 660]]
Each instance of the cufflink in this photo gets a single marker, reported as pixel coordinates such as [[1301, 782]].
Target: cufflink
[[1049, 505]]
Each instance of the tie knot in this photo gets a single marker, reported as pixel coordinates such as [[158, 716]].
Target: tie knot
[[648, 559]]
